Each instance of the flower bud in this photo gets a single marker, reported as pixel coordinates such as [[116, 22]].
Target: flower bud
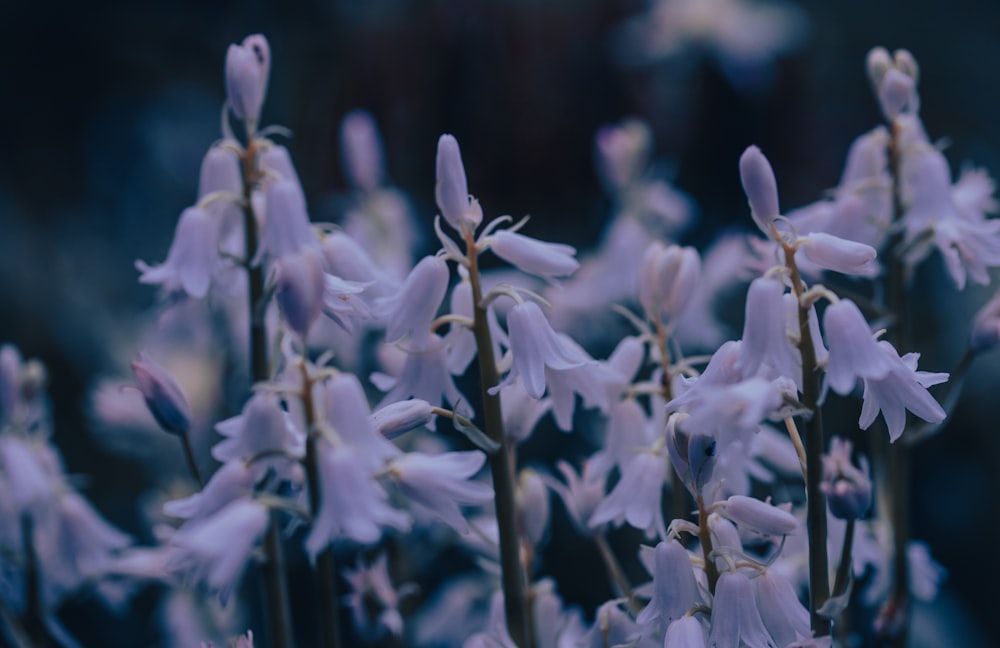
[[906, 64], [760, 186], [247, 69], [452, 191], [401, 417], [533, 256], [163, 396], [667, 279], [897, 94], [877, 64], [840, 255], [848, 489], [300, 288], [759, 516], [362, 150], [220, 172]]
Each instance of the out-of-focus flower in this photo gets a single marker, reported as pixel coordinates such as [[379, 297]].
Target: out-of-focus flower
[[193, 258], [163, 396], [848, 489], [247, 68]]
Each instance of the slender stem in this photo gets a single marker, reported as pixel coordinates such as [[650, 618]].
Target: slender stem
[[34, 609], [501, 467], [846, 559], [276, 589], [800, 450], [329, 610], [898, 465], [819, 576], [705, 536], [616, 573], [191, 462]]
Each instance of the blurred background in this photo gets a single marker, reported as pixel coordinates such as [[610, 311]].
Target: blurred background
[[111, 104]]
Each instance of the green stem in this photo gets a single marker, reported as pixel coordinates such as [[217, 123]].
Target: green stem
[[819, 576], [191, 462], [276, 589], [846, 559], [502, 464]]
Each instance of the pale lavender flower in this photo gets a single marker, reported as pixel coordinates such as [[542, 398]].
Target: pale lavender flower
[[637, 496], [347, 413], [581, 494], [767, 350], [412, 309], [193, 258], [521, 412], [668, 277], [675, 590], [348, 260], [623, 152], [440, 483], [897, 93], [399, 418], [736, 618], [263, 426], [300, 288], [234, 480], [286, 223], [762, 517], [902, 388], [373, 599], [343, 301], [628, 428], [784, 616], [276, 166], [542, 259], [247, 68], [848, 489], [533, 504], [535, 347], [163, 396], [362, 150], [854, 353], [452, 190], [27, 466], [840, 255], [352, 505], [424, 375], [593, 381], [215, 550], [761, 188], [220, 172], [613, 626], [685, 632]]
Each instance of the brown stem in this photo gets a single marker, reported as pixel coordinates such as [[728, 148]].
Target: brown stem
[[705, 536]]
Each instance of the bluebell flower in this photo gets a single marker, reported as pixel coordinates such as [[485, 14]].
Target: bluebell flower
[[784, 616], [232, 481], [735, 616], [761, 188], [637, 496], [440, 483], [193, 258], [286, 224], [848, 489], [247, 68], [902, 388], [361, 145], [675, 589], [542, 259], [452, 189], [373, 599], [163, 396], [411, 310]]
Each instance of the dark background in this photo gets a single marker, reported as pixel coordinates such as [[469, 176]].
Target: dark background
[[108, 107]]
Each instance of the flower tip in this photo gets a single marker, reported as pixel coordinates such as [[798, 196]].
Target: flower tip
[[760, 186]]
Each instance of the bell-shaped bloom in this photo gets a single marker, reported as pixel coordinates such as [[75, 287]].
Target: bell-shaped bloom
[[534, 347], [163, 396], [411, 310], [637, 496], [300, 289], [346, 410], [767, 350], [848, 489], [373, 599], [220, 172], [593, 381], [675, 590], [231, 482], [685, 632], [247, 68], [452, 191], [193, 257], [440, 483], [784, 616], [735, 617], [668, 277], [352, 505], [902, 388], [581, 494], [424, 375], [362, 150], [286, 223], [344, 301], [546, 260], [215, 550], [854, 352], [840, 255], [760, 516], [262, 427], [761, 188]]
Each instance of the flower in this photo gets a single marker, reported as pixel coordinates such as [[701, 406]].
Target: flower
[[373, 599], [439, 483], [848, 489], [193, 257], [675, 590], [784, 616], [761, 188], [637, 496], [534, 347], [300, 288], [412, 309], [757, 515], [362, 150], [853, 351], [247, 68], [286, 223], [535, 257], [902, 388], [452, 190], [163, 396], [736, 618], [668, 277]]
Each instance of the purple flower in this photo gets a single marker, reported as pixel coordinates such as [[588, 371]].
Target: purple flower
[[262, 426], [452, 191], [362, 150], [854, 352], [286, 224], [761, 188], [848, 489], [902, 388], [193, 257], [163, 396], [439, 483], [352, 504], [215, 550], [411, 310], [767, 350], [300, 288], [247, 68], [546, 260], [229, 483], [762, 517], [675, 590], [668, 277], [373, 599], [637, 496], [535, 347], [735, 617], [784, 616]]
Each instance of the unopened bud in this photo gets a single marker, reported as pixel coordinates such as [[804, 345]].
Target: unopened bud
[[757, 515], [760, 187], [667, 278], [897, 94], [300, 288], [452, 191], [163, 396], [877, 64], [398, 418], [848, 489], [247, 69], [840, 255]]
